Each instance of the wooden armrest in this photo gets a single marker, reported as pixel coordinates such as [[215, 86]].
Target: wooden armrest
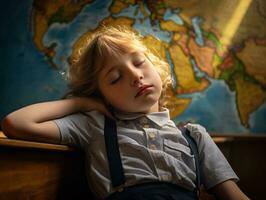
[[4, 141]]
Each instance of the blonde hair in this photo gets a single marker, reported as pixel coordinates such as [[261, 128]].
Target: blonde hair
[[106, 42]]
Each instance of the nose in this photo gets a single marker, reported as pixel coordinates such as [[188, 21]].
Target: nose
[[136, 76]]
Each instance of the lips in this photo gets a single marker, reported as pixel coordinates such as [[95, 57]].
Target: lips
[[142, 90]]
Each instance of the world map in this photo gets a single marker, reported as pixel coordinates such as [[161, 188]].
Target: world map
[[216, 50]]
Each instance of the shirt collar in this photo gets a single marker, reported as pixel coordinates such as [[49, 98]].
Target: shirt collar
[[160, 118]]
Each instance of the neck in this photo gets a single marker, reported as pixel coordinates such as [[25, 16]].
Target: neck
[[153, 108]]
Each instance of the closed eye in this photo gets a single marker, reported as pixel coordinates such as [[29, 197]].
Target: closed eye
[[115, 80], [139, 63]]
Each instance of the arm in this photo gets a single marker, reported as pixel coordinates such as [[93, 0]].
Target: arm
[[228, 190], [35, 122], [217, 174]]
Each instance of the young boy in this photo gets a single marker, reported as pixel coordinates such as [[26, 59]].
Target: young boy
[[139, 153]]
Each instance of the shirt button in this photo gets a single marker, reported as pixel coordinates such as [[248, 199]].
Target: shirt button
[[153, 147], [152, 135], [146, 126], [165, 177]]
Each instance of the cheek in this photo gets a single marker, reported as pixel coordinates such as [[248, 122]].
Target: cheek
[[103, 91], [112, 96], [157, 78]]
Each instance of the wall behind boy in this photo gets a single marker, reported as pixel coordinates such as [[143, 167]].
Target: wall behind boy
[[216, 50]]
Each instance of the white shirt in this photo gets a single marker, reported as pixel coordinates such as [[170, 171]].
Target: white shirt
[[152, 149]]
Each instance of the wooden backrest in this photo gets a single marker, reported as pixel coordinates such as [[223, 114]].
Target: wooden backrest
[[32, 170]]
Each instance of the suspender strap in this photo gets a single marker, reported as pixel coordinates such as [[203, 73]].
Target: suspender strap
[[114, 159], [195, 152], [113, 154]]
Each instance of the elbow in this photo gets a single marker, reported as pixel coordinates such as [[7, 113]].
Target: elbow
[[8, 127], [16, 127]]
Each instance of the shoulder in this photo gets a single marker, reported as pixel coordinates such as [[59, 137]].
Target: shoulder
[[198, 132], [196, 128], [92, 118], [78, 128]]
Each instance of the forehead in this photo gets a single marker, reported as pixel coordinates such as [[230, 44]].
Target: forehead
[[112, 60]]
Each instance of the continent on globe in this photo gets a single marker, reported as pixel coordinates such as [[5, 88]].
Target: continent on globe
[[253, 55], [45, 13], [249, 97]]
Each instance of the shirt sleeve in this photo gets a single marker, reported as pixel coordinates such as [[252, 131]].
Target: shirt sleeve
[[75, 130], [215, 168]]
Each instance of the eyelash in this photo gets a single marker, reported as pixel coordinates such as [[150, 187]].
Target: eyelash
[[139, 63], [116, 80]]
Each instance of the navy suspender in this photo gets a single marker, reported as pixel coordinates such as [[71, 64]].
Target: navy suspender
[[114, 159], [113, 154], [193, 146]]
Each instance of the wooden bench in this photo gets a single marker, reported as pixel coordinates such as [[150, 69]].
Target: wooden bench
[[32, 170], [40, 171]]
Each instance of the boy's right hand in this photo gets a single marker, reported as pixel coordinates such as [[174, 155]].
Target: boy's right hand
[[88, 104]]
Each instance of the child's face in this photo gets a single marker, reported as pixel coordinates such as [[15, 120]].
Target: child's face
[[130, 83]]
